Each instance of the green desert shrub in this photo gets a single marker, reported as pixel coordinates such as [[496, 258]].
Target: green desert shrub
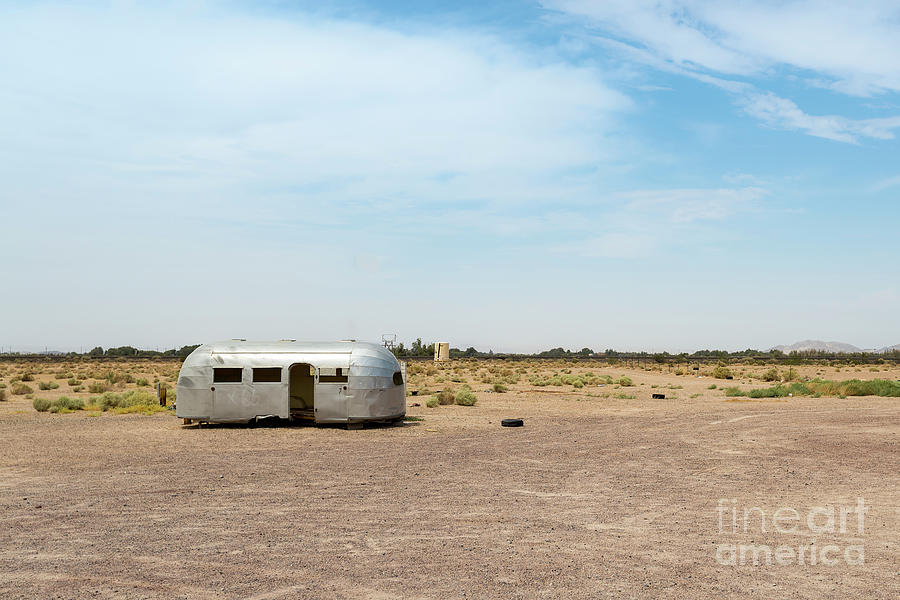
[[48, 385], [818, 388], [465, 397], [64, 403], [41, 404], [140, 401], [721, 372], [97, 387], [20, 389], [625, 381], [141, 382], [27, 377], [777, 391], [771, 375], [500, 388], [856, 387], [73, 382], [432, 402], [118, 377], [447, 396]]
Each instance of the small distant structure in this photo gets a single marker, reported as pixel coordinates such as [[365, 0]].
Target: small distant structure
[[389, 340], [441, 351]]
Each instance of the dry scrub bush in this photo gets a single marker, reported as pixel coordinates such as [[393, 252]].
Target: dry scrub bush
[[64, 405], [447, 396], [465, 397], [771, 375], [97, 387], [721, 372], [21, 389]]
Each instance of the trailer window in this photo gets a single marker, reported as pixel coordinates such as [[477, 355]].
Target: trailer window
[[267, 375], [332, 375], [226, 375], [398, 378]]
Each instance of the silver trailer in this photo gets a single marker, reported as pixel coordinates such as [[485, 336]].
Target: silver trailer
[[328, 382]]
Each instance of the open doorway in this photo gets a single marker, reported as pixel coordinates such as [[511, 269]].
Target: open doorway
[[301, 391]]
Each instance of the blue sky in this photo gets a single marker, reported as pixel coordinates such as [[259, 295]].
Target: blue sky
[[633, 175]]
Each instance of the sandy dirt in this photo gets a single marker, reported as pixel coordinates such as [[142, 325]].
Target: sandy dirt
[[595, 497]]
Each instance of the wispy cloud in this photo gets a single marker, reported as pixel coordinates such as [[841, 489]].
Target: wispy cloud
[[639, 223], [855, 45], [782, 113], [849, 48], [887, 183], [292, 110]]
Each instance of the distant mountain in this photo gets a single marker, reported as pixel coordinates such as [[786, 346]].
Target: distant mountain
[[833, 347], [818, 345]]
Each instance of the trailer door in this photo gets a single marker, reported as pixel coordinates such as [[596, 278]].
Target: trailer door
[[331, 392]]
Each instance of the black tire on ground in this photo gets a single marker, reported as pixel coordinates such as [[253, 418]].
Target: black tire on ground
[[512, 423]]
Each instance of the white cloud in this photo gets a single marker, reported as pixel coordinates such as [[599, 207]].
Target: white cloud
[[197, 100], [849, 48], [638, 223], [614, 245], [887, 183], [785, 114], [743, 178], [689, 205], [855, 44]]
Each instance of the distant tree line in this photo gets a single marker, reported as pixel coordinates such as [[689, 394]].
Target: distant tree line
[[419, 349], [118, 351], [132, 351]]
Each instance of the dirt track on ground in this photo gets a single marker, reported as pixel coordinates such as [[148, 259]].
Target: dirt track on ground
[[594, 497]]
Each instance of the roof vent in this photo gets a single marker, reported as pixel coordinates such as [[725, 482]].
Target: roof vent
[[238, 339], [287, 340]]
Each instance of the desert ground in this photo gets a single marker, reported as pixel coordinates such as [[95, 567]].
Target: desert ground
[[605, 492]]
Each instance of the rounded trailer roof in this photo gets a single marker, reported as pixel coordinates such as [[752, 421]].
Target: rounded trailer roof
[[291, 347], [358, 355]]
